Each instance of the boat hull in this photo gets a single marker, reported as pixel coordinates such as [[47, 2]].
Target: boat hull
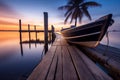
[[88, 35]]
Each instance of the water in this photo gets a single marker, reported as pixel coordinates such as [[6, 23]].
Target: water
[[114, 39], [14, 63]]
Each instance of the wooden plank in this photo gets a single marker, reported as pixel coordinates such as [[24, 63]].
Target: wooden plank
[[112, 66], [58, 42], [63, 42], [42, 69], [111, 49], [69, 72], [53, 67], [54, 44], [59, 71], [95, 70], [81, 68], [112, 53]]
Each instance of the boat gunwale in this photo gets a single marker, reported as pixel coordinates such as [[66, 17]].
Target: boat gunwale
[[82, 35], [83, 26]]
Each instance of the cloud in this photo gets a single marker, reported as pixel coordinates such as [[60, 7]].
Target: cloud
[[7, 23], [7, 11]]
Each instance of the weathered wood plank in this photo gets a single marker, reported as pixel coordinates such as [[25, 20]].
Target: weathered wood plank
[[81, 68], [58, 42], [112, 66], [112, 53], [69, 72], [111, 49], [53, 66], [42, 69], [54, 44], [59, 70], [95, 70], [63, 42]]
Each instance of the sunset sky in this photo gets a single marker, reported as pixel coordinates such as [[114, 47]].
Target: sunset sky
[[31, 12]]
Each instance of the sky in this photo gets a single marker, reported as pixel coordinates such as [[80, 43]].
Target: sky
[[31, 12]]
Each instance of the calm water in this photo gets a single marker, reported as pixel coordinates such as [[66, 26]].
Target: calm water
[[15, 64]]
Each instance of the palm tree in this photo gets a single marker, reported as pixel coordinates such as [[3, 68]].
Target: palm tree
[[76, 9]]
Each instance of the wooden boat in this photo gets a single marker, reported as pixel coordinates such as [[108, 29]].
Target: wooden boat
[[88, 35]]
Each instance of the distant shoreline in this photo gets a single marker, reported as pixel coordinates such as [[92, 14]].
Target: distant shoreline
[[9, 30]]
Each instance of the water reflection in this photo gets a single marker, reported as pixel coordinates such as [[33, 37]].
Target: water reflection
[[19, 57], [17, 61]]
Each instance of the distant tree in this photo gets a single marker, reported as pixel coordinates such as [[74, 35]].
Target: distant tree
[[75, 9]]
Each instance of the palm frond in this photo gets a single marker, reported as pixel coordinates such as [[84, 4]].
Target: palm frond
[[80, 15], [74, 14], [67, 17], [91, 4], [75, 1], [69, 10], [65, 7], [85, 11]]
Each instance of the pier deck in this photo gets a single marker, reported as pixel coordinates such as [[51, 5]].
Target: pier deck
[[66, 62], [107, 56]]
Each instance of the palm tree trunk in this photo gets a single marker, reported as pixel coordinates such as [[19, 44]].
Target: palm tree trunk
[[76, 22]]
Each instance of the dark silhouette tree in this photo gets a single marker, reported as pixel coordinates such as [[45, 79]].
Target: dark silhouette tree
[[76, 9]]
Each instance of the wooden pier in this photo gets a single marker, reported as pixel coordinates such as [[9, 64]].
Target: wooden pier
[[66, 62], [107, 56]]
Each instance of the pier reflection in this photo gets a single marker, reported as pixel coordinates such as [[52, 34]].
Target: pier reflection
[[36, 42]]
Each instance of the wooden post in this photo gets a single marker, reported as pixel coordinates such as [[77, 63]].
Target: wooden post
[[29, 32], [46, 31], [35, 32], [29, 35], [53, 34], [50, 36], [35, 35], [20, 31]]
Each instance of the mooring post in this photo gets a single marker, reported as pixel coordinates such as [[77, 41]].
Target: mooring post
[[50, 37], [53, 34], [29, 35], [35, 35], [35, 32], [29, 32], [20, 31], [46, 31]]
